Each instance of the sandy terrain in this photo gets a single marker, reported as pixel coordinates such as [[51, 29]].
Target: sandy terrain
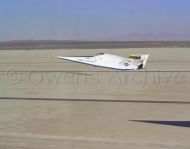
[[49, 103]]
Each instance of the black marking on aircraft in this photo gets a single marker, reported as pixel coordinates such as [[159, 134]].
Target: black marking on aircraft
[[170, 123]]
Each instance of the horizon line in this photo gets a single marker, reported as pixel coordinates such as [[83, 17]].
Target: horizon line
[[68, 40]]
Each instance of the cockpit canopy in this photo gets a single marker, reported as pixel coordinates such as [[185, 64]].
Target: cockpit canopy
[[134, 57]]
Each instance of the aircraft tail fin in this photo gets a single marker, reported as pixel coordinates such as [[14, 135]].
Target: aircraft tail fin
[[144, 59], [139, 60]]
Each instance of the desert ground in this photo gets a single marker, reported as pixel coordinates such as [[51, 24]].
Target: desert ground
[[50, 103]]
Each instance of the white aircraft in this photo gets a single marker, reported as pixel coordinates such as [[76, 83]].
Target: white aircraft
[[133, 62]]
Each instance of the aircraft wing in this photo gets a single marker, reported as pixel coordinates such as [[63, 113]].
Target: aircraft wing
[[81, 59]]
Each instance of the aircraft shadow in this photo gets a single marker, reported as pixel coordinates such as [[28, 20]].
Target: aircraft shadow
[[171, 123]]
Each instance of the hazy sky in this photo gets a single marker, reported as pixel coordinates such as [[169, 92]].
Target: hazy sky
[[95, 19]]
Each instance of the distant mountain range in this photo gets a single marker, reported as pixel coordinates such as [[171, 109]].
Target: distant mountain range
[[162, 36], [59, 44]]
